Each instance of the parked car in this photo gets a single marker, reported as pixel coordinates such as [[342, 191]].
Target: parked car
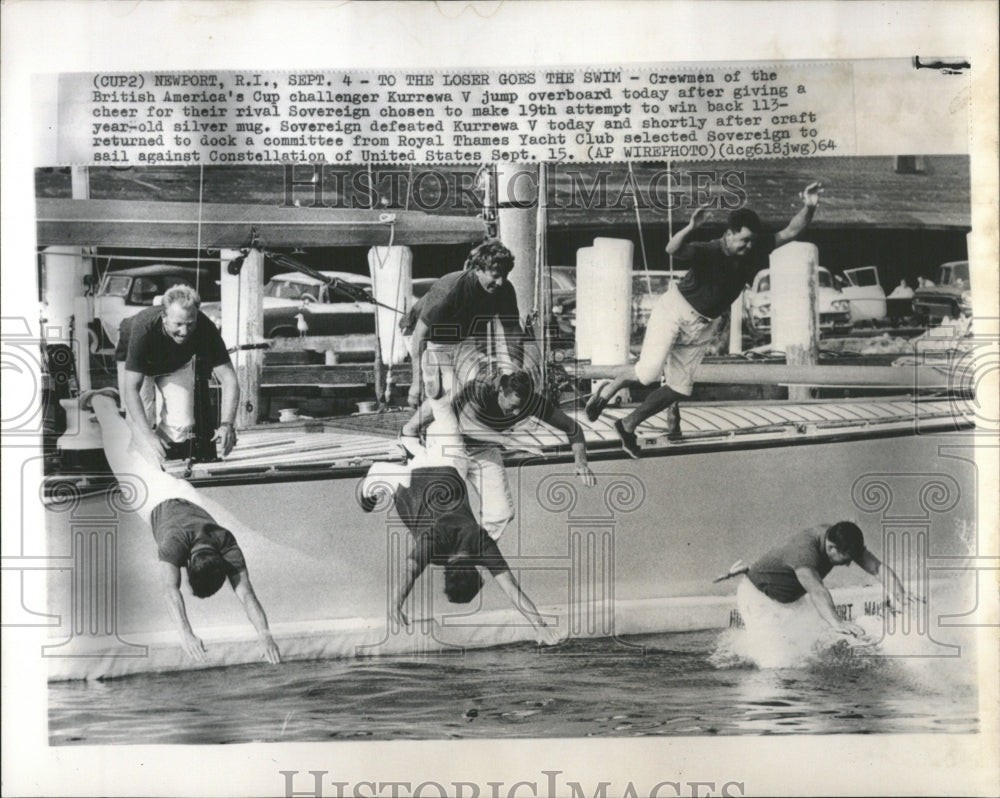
[[125, 292], [950, 297], [324, 310], [865, 293], [833, 307]]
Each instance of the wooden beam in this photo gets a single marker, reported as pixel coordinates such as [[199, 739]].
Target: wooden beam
[[118, 223]]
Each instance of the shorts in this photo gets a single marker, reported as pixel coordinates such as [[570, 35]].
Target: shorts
[[675, 343]]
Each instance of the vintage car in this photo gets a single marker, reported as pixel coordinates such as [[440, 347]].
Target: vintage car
[[951, 297], [866, 294], [125, 292], [324, 310], [833, 307]]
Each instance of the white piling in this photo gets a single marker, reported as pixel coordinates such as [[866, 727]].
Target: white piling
[[794, 308], [391, 270], [609, 302]]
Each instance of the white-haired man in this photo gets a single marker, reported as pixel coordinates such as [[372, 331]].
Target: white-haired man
[[169, 343]]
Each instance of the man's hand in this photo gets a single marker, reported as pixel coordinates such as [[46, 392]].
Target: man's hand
[[848, 628], [269, 649], [547, 635], [194, 647], [810, 196], [399, 616], [413, 397], [698, 217], [226, 436], [586, 476]]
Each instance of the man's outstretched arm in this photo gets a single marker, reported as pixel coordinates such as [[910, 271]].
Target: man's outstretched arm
[[810, 579], [680, 237], [170, 582], [399, 591], [508, 584], [255, 612], [801, 220], [577, 442], [870, 563]]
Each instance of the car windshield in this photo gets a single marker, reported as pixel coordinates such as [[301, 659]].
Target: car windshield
[[286, 289], [116, 285], [862, 277], [954, 274]]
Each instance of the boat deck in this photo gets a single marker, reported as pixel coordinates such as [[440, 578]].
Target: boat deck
[[330, 445]]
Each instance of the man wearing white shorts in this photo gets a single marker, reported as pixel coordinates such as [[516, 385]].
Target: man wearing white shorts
[[685, 319]]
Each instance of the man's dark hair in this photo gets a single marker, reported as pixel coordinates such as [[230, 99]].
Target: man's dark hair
[[847, 537], [744, 217], [462, 580], [490, 255], [206, 572], [520, 383]]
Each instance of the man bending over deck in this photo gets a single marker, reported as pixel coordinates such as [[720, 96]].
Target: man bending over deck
[[431, 499], [772, 593], [487, 408], [188, 531], [461, 307], [686, 317]]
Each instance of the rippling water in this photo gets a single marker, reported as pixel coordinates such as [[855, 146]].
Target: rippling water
[[654, 685]]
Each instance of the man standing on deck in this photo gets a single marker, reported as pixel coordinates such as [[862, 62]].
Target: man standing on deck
[[459, 307], [188, 531], [431, 499], [685, 318], [167, 343], [487, 409], [771, 596]]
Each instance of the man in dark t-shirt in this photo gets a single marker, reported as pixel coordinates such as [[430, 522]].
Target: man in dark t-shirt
[[460, 309], [188, 530], [433, 503], [684, 319], [167, 343], [797, 566]]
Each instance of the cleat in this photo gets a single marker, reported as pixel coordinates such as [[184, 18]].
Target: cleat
[[630, 443]]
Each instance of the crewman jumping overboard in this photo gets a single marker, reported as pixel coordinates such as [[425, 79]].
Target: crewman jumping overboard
[[191, 531]]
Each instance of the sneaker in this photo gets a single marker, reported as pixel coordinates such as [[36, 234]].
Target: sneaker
[[630, 443], [595, 406], [674, 422]]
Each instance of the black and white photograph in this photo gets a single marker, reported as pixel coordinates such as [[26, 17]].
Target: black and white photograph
[[391, 421]]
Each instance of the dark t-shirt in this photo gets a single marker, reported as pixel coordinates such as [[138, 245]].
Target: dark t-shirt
[[435, 508], [152, 352], [480, 396], [774, 573], [457, 307], [714, 279], [178, 525]]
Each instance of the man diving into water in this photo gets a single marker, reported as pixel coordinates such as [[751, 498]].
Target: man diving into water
[[191, 531], [772, 594], [431, 498]]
